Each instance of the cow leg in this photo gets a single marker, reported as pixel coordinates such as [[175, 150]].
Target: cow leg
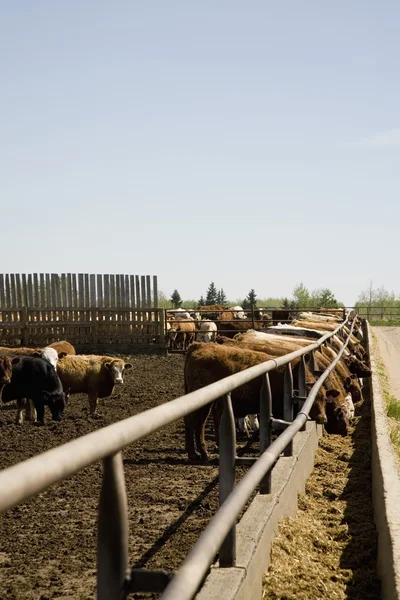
[[93, 401], [189, 437], [39, 406], [31, 414], [199, 431], [217, 409], [243, 431], [20, 411]]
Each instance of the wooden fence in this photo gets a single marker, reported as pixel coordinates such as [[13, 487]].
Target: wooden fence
[[118, 330], [70, 290]]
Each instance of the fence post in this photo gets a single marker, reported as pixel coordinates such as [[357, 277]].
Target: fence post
[[112, 531], [25, 330], [227, 458], [252, 316], [265, 428], [288, 403], [94, 325]]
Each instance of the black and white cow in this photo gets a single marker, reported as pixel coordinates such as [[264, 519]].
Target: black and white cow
[[35, 379]]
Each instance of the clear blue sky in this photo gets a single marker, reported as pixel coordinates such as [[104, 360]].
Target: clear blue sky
[[254, 144]]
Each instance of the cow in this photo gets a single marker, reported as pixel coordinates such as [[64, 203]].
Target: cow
[[93, 375], [207, 363], [63, 346], [6, 364], [50, 354], [207, 331], [181, 333], [35, 378]]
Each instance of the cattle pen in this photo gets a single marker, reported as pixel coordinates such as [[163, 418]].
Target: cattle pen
[[34, 476]]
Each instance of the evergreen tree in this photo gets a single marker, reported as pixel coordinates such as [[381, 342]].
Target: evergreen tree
[[251, 298], [202, 302], [221, 297], [176, 299], [211, 297]]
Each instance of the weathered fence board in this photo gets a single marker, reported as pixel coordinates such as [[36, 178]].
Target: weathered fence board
[[67, 290]]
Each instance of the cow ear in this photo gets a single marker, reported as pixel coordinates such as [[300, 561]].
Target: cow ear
[[15, 360], [333, 393], [128, 366], [62, 354]]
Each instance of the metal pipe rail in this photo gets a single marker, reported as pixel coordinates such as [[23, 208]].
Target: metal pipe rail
[[33, 476], [194, 568]]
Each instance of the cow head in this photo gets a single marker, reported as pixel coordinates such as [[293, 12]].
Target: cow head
[[357, 366], [338, 418], [116, 370], [6, 364], [352, 386], [56, 401], [318, 410]]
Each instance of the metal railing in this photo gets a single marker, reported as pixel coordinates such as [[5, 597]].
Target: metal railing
[[114, 579]]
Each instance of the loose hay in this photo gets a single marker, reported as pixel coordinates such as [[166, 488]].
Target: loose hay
[[329, 549]]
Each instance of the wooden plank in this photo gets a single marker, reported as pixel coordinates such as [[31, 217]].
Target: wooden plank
[[106, 296], [12, 290], [69, 291], [122, 287], [64, 292], [74, 290], [100, 291], [18, 291], [48, 292], [36, 300], [127, 292], [155, 291], [118, 290], [8, 291], [53, 291], [133, 297], [148, 291], [112, 291], [30, 290], [57, 287], [137, 286], [92, 283], [143, 291], [42, 291], [87, 290], [81, 291], [24, 295], [2, 292]]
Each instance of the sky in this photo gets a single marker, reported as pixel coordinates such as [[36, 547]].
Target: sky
[[253, 144]]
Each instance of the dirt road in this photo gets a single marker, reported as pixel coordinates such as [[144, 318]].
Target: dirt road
[[388, 339]]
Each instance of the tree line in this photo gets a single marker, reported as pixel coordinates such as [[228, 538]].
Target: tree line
[[302, 297]]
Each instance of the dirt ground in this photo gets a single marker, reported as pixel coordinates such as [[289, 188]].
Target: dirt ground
[[48, 545]]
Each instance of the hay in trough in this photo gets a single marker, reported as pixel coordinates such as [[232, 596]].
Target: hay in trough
[[329, 549]]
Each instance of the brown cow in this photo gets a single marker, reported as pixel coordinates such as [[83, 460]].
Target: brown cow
[[93, 375], [207, 363], [63, 347], [6, 363]]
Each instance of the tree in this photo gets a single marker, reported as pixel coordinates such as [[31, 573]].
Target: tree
[[176, 299], [202, 302], [211, 297], [324, 298], [251, 298], [221, 297], [301, 296]]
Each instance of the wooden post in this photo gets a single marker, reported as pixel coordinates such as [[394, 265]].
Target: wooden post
[[94, 325], [25, 326]]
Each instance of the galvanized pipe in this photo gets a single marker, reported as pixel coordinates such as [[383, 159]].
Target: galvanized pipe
[[112, 531], [227, 460], [195, 566], [265, 428], [288, 403], [24, 480]]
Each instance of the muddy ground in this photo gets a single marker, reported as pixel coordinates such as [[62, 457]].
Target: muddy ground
[[48, 545]]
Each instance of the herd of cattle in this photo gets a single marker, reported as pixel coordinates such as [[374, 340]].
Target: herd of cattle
[[334, 404], [39, 377]]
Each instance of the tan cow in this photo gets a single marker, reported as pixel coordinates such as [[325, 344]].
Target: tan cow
[[93, 375]]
